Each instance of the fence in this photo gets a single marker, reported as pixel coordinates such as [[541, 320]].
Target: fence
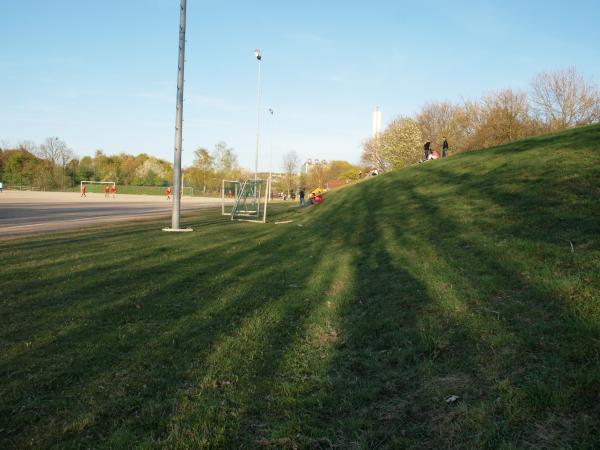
[[14, 187], [121, 189]]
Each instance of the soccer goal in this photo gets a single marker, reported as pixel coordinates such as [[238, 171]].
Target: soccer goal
[[245, 201], [96, 186]]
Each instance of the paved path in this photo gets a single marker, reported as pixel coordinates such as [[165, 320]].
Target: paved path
[[23, 213]]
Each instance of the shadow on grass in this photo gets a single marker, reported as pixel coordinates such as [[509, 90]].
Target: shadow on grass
[[115, 372], [491, 322], [348, 332]]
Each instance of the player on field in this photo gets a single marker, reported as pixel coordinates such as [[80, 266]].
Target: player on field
[[83, 190], [106, 191], [114, 190], [169, 193]]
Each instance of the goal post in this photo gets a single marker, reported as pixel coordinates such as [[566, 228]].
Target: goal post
[[229, 193], [187, 191]]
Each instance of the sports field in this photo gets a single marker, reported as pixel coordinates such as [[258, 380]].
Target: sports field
[[25, 212], [450, 305]]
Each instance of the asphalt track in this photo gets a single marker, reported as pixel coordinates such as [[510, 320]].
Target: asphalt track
[[27, 213]]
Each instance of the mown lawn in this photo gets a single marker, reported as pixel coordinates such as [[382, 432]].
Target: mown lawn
[[477, 276]]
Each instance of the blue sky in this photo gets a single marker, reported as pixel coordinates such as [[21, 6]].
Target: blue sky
[[102, 74]]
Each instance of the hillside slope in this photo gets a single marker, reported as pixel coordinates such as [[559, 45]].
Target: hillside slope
[[476, 277]]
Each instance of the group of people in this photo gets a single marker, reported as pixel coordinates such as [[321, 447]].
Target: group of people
[[107, 190], [370, 173], [169, 192], [315, 198], [430, 153]]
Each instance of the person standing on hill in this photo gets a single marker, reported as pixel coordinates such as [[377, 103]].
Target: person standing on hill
[[426, 150], [444, 147], [302, 203]]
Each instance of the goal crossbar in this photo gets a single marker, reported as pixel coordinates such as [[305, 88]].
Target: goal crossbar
[[98, 182]]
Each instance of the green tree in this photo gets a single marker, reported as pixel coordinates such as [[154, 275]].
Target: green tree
[[23, 168], [401, 142], [204, 165], [337, 170]]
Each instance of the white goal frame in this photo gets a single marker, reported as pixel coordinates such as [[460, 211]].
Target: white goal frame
[[189, 189], [96, 182], [234, 200]]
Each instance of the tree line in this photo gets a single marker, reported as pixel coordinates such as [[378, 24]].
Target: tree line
[[53, 165], [555, 101], [296, 176]]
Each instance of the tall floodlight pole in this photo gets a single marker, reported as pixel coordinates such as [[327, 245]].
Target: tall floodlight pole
[[270, 168], [271, 154], [177, 180], [258, 55]]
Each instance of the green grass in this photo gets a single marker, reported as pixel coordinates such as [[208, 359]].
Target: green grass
[[476, 276]]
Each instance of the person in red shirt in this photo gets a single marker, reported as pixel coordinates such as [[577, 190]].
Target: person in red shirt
[[83, 188], [114, 190], [169, 193], [319, 199], [106, 191]]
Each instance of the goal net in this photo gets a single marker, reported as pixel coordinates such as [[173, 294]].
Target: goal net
[[245, 201]]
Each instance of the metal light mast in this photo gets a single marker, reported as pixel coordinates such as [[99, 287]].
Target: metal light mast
[[179, 126], [258, 55]]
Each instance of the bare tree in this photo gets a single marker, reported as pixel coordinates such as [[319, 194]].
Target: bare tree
[[291, 161], [318, 174], [28, 145], [57, 153], [564, 99], [504, 118], [438, 120], [51, 150], [372, 157], [224, 159]]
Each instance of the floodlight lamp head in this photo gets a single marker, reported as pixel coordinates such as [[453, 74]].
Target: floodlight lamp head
[[258, 54]]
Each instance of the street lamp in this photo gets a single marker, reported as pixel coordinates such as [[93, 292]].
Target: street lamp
[[258, 56]]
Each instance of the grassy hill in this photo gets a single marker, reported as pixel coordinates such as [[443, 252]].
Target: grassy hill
[[476, 277]]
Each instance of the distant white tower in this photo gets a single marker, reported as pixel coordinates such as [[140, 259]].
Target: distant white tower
[[376, 123]]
